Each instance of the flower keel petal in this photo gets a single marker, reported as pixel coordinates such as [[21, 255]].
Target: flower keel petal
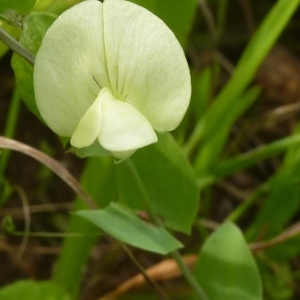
[[123, 127]]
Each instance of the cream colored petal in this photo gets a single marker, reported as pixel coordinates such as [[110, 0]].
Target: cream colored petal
[[146, 64], [70, 67], [123, 127], [88, 127]]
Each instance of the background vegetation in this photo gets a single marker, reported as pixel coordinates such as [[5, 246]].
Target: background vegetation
[[240, 139]]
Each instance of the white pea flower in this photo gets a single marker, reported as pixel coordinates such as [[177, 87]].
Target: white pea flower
[[112, 73]]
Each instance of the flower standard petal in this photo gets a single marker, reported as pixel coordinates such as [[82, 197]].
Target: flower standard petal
[[70, 67], [146, 64], [123, 127]]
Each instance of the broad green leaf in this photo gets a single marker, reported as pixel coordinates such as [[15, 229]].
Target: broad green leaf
[[98, 180], [20, 6], [127, 227], [42, 5], [35, 27], [54, 6], [178, 16], [226, 268], [29, 289], [149, 4], [169, 182], [13, 11]]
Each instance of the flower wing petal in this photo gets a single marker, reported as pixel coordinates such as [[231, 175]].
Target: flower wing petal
[[70, 67], [123, 127], [146, 64], [89, 125]]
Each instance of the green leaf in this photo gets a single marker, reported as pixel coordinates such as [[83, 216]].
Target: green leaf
[[20, 6], [226, 268], [149, 4], [126, 226], [13, 11], [178, 17], [54, 6], [35, 27], [169, 182], [29, 289]]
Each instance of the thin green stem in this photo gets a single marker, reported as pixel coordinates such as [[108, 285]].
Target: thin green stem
[[159, 290], [221, 16], [16, 46], [175, 254], [9, 131], [141, 190], [189, 276]]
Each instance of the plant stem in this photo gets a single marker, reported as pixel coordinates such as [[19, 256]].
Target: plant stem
[[175, 254], [10, 126], [9, 132], [142, 192], [189, 276], [158, 289], [16, 46]]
